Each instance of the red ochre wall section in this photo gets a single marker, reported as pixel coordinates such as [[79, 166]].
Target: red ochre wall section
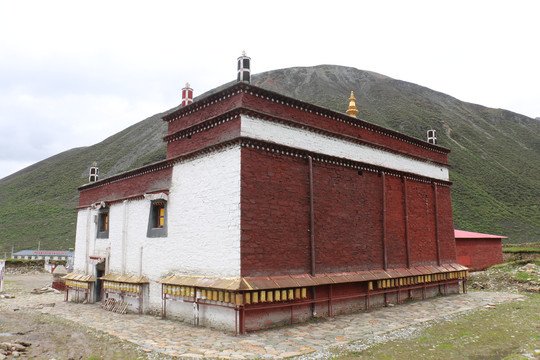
[[128, 187], [203, 114], [274, 214], [348, 211], [395, 222], [479, 254], [199, 140], [447, 241], [348, 219]]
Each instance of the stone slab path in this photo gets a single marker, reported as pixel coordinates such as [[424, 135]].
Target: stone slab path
[[183, 340]]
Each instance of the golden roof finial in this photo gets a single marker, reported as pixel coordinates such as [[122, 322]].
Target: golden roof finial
[[352, 111]]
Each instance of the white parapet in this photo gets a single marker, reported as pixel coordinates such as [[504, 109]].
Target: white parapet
[[301, 139]]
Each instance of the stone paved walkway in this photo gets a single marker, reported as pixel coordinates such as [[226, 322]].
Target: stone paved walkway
[[183, 340]]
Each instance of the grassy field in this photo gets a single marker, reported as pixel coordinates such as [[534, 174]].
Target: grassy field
[[505, 331]]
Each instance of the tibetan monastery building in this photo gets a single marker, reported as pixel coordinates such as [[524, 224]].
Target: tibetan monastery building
[[267, 211]]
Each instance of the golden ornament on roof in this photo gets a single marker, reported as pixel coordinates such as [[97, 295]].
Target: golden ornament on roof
[[352, 111]]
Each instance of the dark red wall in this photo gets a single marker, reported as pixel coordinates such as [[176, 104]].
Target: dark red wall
[[420, 207], [223, 132], [134, 186], [205, 113], [274, 214], [446, 225], [479, 254], [349, 216], [395, 223], [348, 219]]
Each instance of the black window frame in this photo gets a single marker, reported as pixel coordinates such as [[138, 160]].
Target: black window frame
[[154, 230], [103, 223]]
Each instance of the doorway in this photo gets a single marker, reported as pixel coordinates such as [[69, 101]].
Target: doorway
[[100, 271]]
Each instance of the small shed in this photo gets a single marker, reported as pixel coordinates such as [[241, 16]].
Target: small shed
[[59, 283], [478, 251]]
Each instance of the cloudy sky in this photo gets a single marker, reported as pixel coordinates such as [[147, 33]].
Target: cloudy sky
[[73, 73]]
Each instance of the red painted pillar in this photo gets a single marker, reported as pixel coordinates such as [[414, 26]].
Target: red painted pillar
[[406, 211], [311, 217], [436, 222], [385, 257]]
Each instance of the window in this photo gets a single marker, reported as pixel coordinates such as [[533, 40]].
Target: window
[[94, 174], [158, 212], [103, 224], [157, 221], [432, 136]]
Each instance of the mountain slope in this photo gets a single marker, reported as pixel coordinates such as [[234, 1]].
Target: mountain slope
[[495, 156], [495, 153]]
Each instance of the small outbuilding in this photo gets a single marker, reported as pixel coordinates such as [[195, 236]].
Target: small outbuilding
[[478, 251]]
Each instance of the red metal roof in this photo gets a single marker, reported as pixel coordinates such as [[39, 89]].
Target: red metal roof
[[460, 234]]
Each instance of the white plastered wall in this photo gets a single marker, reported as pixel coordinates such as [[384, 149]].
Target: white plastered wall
[[302, 139]]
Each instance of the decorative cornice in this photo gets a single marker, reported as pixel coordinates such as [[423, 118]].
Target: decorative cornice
[[169, 163], [264, 146], [128, 174], [333, 160], [236, 113], [205, 125], [242, 88]]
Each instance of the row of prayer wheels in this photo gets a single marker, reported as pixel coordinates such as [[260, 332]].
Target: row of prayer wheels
[[421, 279], [77, 284], [120, 286], [251, 297]]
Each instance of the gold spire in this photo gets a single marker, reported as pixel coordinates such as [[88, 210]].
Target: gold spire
[[352, 111]]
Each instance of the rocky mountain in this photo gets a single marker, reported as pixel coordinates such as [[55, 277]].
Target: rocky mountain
[[495, 156]]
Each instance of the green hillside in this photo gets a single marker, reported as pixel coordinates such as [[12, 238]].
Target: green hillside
[[495, 156]]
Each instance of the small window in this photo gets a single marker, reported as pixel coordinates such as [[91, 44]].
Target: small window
[[158, 213], [157, 222], [103, 224]]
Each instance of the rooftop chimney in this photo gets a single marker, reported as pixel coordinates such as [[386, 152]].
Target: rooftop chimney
[[94, 173], [432, 136], [187, 95], [244, 72]]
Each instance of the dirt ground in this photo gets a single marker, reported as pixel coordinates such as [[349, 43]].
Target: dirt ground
[[51, 337]]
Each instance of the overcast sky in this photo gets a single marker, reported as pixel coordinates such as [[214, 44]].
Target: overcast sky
[[73, 73]]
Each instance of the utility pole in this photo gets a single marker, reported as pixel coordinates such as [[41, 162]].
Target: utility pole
[[12, 246], [38, 245]]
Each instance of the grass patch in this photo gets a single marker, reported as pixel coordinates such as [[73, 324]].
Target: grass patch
[[511, 265], [508, 331], [517, 249]]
